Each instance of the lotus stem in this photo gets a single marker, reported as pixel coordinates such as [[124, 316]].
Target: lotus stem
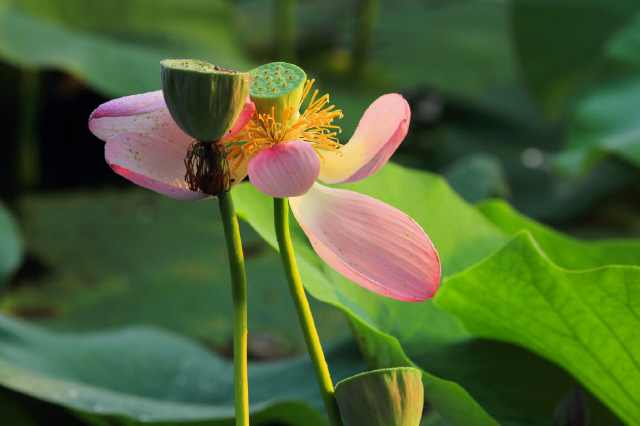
[[281, 217], [239, 296]]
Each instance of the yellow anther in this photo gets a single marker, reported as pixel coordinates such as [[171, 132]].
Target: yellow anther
[[311, 126]]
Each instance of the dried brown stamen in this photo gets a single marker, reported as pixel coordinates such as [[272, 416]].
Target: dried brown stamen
[[208, 171]]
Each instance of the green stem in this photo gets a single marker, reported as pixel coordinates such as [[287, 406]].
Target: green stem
[[239, 296], [286, 30], [29, 149], [281, 217], [367, 20]]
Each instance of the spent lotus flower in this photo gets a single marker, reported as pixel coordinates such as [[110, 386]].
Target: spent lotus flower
[[369, 242]]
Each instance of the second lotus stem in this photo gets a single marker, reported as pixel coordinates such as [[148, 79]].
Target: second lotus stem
[[281, 218]]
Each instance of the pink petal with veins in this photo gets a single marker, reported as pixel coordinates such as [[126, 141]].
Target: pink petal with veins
[[285, 170], [145, 113], [148, 113], [130, 105], [155, 163], [151, 162], [369, 242], [381, 130]]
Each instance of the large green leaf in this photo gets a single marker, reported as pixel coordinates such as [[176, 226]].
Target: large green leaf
[[564, 251], [116, 258], [624, 46], [460, 48], [477, 177], [561, 44], [116, 45], [607, 120], [144, 375], [394, 333], [387, 328], [587, 322], [11, 246]]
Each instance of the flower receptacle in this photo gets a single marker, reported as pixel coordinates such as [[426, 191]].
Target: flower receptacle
[[203, 99], [278, 86]]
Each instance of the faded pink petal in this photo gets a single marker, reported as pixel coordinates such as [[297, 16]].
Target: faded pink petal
[[151, 162], [145, 113], [148, 113], [154, 163], [369, 242], [285, 170], [130, 105], [381, 129], [243, 118]]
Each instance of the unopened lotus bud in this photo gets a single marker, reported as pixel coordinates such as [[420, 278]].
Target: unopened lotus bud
[[277, 86], [387, 397], [203, 99], [572, 410]]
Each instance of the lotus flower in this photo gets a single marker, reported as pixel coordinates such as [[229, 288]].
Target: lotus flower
[[367, 241]]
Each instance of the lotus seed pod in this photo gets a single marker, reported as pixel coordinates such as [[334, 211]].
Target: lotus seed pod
[[387, 397], [278, 85], [203, 99]]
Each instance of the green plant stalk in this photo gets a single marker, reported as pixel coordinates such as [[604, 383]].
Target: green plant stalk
[[365, 30], [29, 148], [281, 219], [286, 30], [239, 296]]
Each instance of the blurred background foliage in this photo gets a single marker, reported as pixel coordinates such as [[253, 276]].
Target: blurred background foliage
[[535, 102]]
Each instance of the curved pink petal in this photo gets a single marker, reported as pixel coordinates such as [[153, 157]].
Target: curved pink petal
[[145, 113], [243, 119], [369, 242], [148, 113], [156, 164], [285, 170], [130, 105], [152, 162], [381, 129]]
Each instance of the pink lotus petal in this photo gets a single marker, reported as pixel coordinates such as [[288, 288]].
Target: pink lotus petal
[[148, 113], [151, 162], [285, 170], [156, 164], [369, 242], [131, 105], [381, 129], [145, 113], [243, 118]]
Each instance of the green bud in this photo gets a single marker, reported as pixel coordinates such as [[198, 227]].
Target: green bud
[[387, 397], [203, 99], [279, 85]]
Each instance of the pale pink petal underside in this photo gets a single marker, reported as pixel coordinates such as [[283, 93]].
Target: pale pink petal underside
[[145, 113], [369, 242], [381, 129], [285, 170], [151, 162], [243, 118], [130, 105]]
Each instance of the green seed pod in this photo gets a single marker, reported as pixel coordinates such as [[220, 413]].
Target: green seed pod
[[203, 99], [387, 397], [279, 85]]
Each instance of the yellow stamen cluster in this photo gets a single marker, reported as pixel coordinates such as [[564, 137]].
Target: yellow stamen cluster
[[312, 126]]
